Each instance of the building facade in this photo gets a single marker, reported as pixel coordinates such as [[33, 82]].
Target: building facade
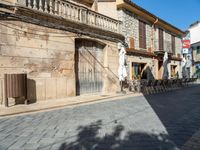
[[194, 31], [66, 48], [148, 37]]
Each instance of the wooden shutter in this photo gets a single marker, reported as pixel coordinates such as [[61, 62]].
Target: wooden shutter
[[161, 46], [173, 44], [142, 34]]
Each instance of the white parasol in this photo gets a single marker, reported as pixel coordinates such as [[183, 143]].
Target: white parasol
[[165, 66], [122, 68]]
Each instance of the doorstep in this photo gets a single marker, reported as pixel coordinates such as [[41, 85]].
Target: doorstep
[[60, 103]]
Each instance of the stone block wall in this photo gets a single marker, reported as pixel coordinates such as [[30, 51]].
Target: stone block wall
[[111, 64], [46, 55], [156, 41], [149, 37], [130, 26], [130, 29]]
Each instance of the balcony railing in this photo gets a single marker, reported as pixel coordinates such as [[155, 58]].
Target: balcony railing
[[73, 12]]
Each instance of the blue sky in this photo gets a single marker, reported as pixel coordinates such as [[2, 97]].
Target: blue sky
[[180, 13]]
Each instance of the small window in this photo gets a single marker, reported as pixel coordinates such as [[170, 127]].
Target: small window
[[198, 49]]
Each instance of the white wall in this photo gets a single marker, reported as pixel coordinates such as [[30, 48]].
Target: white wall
[[108, 9], [195, 33]]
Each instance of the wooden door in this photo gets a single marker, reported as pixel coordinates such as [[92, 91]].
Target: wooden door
[[88, 67]]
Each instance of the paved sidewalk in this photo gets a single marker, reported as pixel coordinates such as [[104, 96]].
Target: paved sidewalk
[[163, 121], [59, 103]]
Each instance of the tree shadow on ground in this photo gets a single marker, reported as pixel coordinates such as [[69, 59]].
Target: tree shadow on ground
[[179, 112], [88, 139]]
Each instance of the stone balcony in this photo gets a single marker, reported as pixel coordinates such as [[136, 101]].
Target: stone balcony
[[73, 12]]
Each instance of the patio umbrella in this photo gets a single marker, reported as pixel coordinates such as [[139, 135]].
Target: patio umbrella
[[183, 64], [165, 66], [122, 68]]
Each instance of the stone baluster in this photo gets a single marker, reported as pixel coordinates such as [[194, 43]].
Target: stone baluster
[[72, 11], [98, 20], [104, 20], [67, 10], [108, 25], [90, 18], [56, 8], [114, 26], [76, 13], [64, 10], [40, 5], [101, 21], [111, 25], [46, 6], [51, 6], [96, 17], [29, 4], [60, 8], [80, 15], [34, 4], [117, 27]]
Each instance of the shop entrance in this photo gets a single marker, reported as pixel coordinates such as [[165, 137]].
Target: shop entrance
[[137, 70]]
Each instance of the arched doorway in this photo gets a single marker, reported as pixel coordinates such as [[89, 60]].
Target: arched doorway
[[88, 66]]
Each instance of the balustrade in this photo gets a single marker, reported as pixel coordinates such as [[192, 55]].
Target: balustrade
[[71, 11]]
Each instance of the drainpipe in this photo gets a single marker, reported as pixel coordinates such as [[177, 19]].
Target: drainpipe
[[153, 33], [153, 48]]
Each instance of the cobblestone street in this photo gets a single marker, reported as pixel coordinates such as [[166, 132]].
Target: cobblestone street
[[164, 121]]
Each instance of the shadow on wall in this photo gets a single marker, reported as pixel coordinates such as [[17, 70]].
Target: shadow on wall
[[31, 91], [88, 139], [178, 113]]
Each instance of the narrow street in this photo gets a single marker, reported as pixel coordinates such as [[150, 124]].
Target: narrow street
[[164, 121]]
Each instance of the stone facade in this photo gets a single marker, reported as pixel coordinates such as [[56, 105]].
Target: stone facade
[[130, 29], [130, 26], [47, 55]]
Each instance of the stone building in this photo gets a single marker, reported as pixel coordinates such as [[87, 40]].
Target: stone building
[[148, 37], [65, 47]]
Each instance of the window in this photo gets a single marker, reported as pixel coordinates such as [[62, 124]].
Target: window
[[198, 49], [173, 45], [160, 36], [142, 34]]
